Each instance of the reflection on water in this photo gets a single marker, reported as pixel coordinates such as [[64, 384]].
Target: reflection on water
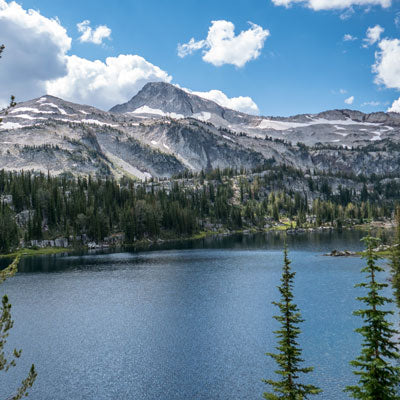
[[184, 321], [318, 242]]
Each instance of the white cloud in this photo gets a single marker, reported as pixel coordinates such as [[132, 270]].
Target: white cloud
[[35, 51], [104, 84], [340, 91], [370, 103], [387, 67], [244, 104], [349, 100], [43, 45], [387, 63], [90, 35], [318, 5], [397, 19], [36, 62], [190, 47], [349, 38], [395, 106], [347, 13], [373, 35], [222, 46]]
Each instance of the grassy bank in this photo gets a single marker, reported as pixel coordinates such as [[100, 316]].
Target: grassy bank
[[36, 252]]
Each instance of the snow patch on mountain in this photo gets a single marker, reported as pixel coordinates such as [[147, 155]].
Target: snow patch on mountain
[[377, 136], [24, 109], [154, 111], [96, 122], [203, 116], [279, 125], [61, 111], [10, 125], [284, 125]]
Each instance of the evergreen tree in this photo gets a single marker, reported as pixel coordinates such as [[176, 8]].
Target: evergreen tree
[[6, 323], [8, 230], [288, 357], [395, 259], [378, 378]]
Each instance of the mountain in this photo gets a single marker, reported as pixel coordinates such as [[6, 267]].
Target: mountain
[[346, 127], [164, 130], [162, 98]]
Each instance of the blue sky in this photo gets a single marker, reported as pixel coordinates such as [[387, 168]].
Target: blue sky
[[304, 65]]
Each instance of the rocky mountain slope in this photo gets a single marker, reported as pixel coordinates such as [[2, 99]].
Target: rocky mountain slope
[[345, 127], [164, 130]]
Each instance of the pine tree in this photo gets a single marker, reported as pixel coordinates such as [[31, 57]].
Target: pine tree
[[395, 259], [6, 323], [288, 357], [378, 378], [2, 47]]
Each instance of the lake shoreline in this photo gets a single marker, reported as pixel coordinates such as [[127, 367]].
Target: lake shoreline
[[78, 315], [286, 227]]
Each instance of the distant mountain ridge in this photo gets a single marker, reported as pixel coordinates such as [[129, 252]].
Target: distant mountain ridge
[[160, 99], [171, 99], [168, 98], [164, 130]]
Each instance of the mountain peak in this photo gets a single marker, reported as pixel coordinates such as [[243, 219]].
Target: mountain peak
[[167, 98]]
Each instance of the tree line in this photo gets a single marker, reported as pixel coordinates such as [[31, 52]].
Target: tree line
[[36, 206]]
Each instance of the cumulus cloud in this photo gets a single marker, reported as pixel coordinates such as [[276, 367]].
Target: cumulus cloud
[[244, 104], [349, 38], [349, 100], [90, 35], [387, 67], [387, 63], [318, 5], [36, 61], [395, 106], [43, 44], [35, 51], [104, 84], [222, 46], [373, 35]]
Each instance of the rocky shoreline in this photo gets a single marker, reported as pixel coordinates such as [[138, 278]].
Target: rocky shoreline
[[341, 253], [383, 249]]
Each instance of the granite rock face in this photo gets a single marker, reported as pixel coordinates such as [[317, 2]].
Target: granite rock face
[[164, 130]]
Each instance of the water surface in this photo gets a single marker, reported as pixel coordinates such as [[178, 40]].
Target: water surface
[[184, 321]]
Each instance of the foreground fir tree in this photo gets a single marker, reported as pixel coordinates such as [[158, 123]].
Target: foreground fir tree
[[6, 323], [379, 379], [395, 259], [288, 357]]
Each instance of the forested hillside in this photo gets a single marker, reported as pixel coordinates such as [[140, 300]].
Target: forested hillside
[[38, 206]]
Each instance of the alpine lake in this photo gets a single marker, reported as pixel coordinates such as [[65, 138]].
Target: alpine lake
[[183, 320]]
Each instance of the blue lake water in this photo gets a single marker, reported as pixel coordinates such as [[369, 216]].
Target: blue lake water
[[184, 321]]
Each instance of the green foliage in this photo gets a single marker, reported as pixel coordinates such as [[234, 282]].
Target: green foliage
[[378, 377], [395, 259], [9, 235], [98, 208], [288, 357], [2, 47], [6, 324]]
